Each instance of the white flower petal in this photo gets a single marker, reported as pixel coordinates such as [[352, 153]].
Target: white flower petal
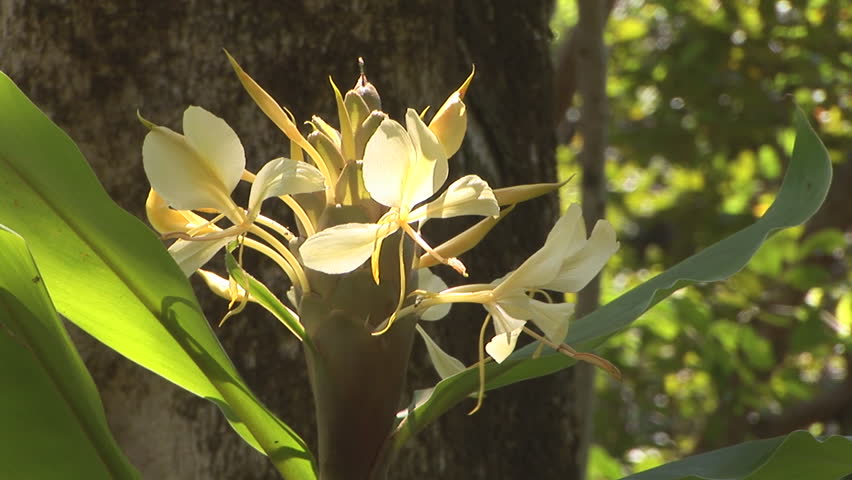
[[578, 269], [543, 266], [343, 248], [507, 329], [429, 169], [552, 318], [283, 176], [217, 142], [469, 195], [387, 158], [192, 255], [445, 364], [182, 170], [502, 345], [222, 287], [426, 280]]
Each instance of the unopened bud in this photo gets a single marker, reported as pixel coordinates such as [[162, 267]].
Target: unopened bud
[[326, 148], [366, 130], [366, 90]]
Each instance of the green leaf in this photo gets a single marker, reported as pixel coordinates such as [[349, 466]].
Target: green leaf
[[802, 192], [798, 455], [110, 275], [53, 420], [263, 296]]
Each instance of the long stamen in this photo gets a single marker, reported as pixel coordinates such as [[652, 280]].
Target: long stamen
[[453, 262], [402, 295], [276, 227], [480, 394], [287, 254]]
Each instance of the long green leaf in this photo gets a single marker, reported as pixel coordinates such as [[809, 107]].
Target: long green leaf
[[802, 192], [110, 275], [53, 421], [798, 455]]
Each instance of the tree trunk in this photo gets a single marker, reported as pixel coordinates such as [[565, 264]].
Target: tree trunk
[[91, 65]]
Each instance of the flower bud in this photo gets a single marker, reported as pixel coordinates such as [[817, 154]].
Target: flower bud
[[326, 148], [364, 89], [450, 122]]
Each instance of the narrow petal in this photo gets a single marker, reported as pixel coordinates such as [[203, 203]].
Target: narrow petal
[[343, 248], [387, 159], [283, 176], [168, 220], [429, 170], [445, 364], [217, 143], [192, 255], [426, 280], [578, 269]]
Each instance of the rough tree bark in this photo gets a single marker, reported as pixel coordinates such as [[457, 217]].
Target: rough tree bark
[[91, 65]]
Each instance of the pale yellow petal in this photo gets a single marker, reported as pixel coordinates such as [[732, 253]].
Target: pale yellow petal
[[543, 266], [217, 143], [469, 195], [580, 267], [450, 121], [429, 169], [387, 160], [283, 176], [192, 255], [445, 364], [507, 330], [342, 248], [428, 281]]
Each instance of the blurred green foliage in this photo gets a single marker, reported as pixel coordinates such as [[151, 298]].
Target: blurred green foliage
[[701, 95]]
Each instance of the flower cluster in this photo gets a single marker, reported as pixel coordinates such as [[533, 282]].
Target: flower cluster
[[351, 189]]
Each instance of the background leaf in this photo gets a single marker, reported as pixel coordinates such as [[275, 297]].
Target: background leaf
[[798, 455], [53, 420], [803, 191], [97, 260]]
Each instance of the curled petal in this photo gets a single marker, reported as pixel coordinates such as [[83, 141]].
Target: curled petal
[[343, 248], [469, 195], [224, 288], [196, 170], [445, 364], [283, 176]]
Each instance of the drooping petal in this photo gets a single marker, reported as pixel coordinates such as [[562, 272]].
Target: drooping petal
[[543, 266], [426, 280], [445, 364], [343, 248], [429, 169], [469, 195], [507, 329], [580, 267], [192, 255], [283, 176], [199, 170], [387, 159]]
